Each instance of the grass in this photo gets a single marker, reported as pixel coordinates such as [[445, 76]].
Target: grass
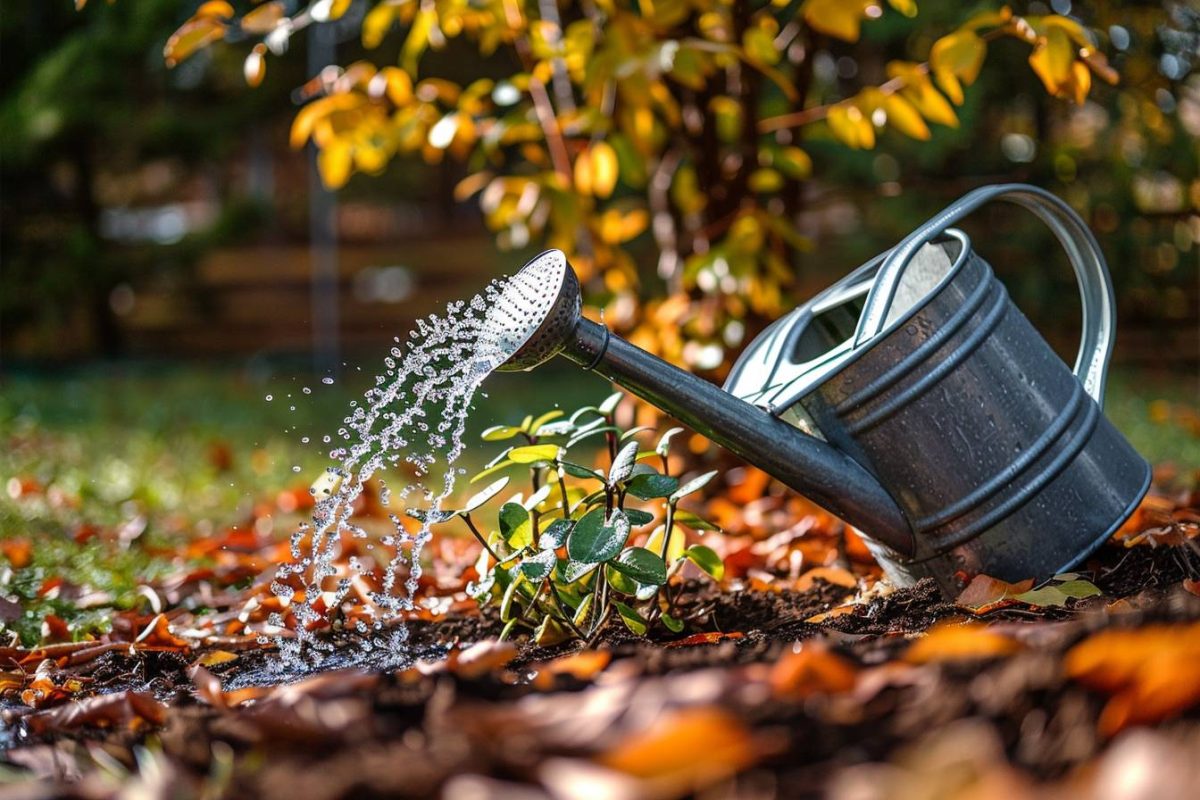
[[152, 455]]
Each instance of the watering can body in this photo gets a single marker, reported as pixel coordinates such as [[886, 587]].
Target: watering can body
[[915, 400]]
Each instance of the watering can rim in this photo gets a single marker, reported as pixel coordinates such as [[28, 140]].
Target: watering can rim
[[845, 354]]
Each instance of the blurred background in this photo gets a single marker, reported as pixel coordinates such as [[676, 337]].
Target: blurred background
[[169, 261]]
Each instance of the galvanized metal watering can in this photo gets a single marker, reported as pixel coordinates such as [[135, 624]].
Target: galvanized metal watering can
[[912, 399]]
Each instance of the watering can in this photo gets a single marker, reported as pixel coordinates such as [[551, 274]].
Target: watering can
[[912, 399]]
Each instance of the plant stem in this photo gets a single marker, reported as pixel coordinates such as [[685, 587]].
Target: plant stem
[[668, 526], [562, 609], [479, 536]]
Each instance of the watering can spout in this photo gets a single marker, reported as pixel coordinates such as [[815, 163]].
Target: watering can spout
[[538, 316]]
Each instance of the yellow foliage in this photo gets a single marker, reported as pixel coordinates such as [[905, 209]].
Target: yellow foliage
[[841, 19], [851, 126]]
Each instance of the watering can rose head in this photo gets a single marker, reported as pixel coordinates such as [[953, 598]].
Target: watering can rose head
[[537, 310], [944, 426]]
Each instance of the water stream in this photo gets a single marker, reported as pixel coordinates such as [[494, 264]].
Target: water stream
[[410, 424]]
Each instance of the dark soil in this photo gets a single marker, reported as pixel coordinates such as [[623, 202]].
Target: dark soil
[[418, 732]]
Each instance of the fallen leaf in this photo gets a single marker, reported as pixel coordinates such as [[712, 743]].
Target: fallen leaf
[[1150, 672], [582, 666], [134, 711], [1059, 594], [984, 590], [811, 668], [684, 751], [835, 575], [711, 637], [957, 641], [481, 658]]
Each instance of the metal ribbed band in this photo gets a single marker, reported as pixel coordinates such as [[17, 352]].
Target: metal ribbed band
[[1019, 497], [919, 354], [969, 345], [993, 485]]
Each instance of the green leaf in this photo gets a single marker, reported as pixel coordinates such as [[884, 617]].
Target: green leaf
[[551, 632], [570, 571], [580, 412], [1059, 594], [672, 624], [515, 526], [533, 453], [694, 485], [553, 537], [483, 495], [648, 487], [510, 599], [622, 583], [536, 424], [642, 566], [690, 520], [577, 471], [593, 542], [664, 443], [537, 568], [541, 494], [492, 470], [706, 559], [634, 432], [622, 465], [638, 517], [498, 433], [556, 428], [632, 619], [582, 434], [585, 606], [508, 629], [610, 403]]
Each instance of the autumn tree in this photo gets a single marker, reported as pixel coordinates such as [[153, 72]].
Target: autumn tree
[[684, 120]]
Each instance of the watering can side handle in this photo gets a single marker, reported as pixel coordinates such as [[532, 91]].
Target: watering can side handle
[[1091, 271]]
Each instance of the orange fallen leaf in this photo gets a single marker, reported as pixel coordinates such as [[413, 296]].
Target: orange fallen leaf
[[214, 657], [685, 750], [811, 668], [712, 637], [836, 611], [481, 658], [582, 666], [1150, 672], [984, 591], [955, 641], [835, 575]]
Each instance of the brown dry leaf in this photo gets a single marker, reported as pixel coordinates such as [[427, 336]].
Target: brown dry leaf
[[208, 689], [1151, 672], [684, 751], [133, 710], [956, 641], [835, 575], [984, 591], [811, 668], [481, 658], [582, 666]]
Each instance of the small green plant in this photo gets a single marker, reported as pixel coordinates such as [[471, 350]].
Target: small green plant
[[559, 561]]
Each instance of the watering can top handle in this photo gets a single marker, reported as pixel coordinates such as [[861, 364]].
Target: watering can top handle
[[1095, 285]]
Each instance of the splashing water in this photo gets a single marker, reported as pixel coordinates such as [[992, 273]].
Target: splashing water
[[413, 419]]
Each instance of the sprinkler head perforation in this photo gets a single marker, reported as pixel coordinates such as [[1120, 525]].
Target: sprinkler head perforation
[[535, 313]]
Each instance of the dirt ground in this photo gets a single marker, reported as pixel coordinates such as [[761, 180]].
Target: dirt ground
[[781, 693]]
